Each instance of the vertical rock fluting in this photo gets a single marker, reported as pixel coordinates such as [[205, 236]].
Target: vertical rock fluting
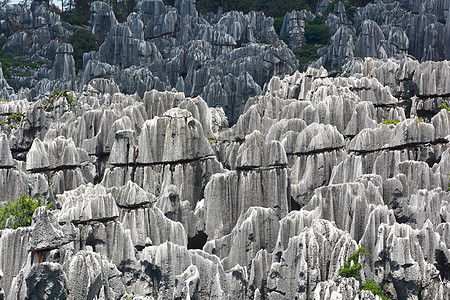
[[165, 187], [156, 196], [64, 66], [102, 20], [294, 27]]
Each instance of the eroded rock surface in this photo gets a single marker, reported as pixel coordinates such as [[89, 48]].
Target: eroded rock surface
[[195, 161]]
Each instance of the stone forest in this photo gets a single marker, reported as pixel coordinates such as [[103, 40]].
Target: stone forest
[[217, 149]]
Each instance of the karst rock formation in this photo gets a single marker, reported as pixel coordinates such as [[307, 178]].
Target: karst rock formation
[[196, 162]]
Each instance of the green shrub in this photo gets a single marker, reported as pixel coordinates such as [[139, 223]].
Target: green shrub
[[265, 41], [350, 12], [351, 269], [317, 35], [306, 54], [444, 106], [22, 210], [372, 286], [448, 185], [286, 40], [360, 3], [330, 7], [23, 74], [82, 41], [74, 17], [48, 103], [13, 119], [390, 122], [352, 266], [316, 32], [277, 24]]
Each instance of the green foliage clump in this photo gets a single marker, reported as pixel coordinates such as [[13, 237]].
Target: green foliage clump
[[352, 266], [372, 286], [277, 24], [74, 17], [351, 269], [48, 103], [317, 35], [82, 41], [286, 40], [330, 7], [22, 210], [350, 11], [306, 54], [122, 9], [316, 32], [12, 119], [212, 140], [23, 74], [390, 122], [444, 106], [265, 41], [3, 100]]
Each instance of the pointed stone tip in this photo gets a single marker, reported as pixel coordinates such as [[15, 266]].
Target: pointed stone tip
[[6, 159]]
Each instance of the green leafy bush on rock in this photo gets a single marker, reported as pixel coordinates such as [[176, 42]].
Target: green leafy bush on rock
[[444, 106], [316, 32], [372, 286], [390, 122], [12, 119], [351, 268], [21, 210], [48, 103]]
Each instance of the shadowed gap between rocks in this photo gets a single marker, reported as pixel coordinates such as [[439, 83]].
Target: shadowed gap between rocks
[[197, 241]]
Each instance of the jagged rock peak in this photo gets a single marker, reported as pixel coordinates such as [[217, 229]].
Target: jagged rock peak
[[102, 20], [6, 159]]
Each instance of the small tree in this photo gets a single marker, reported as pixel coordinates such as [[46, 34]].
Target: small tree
[[21, 210], [351, 269], [352, 265]]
